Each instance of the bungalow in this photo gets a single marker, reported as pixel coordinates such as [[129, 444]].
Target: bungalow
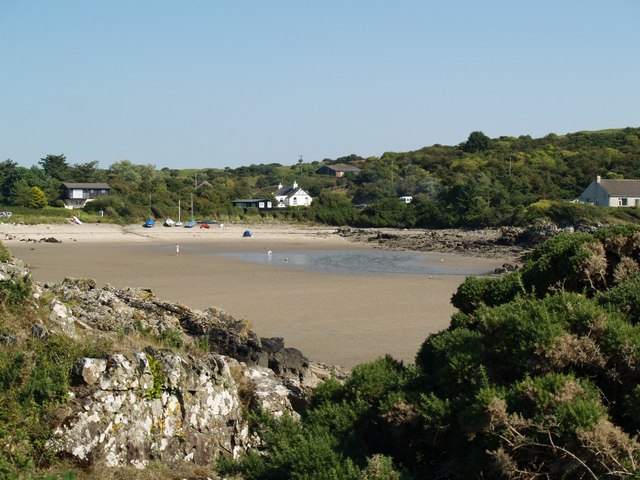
[[292, 196], [259, 203], [612, 193], [337, 170], [77, 195]]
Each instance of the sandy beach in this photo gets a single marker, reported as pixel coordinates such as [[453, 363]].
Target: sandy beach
[[337, 319]]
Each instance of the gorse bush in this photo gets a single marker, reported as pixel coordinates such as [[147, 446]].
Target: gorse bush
[[537, 376], [34, 379], [334, 440]]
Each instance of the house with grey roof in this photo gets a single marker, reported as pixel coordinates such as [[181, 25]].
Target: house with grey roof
[[77, 195], [293, 196], [337, 170], [612, 193]]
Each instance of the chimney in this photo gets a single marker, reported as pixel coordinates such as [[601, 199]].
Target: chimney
[[280, 186], [598, 178], [295, 184]]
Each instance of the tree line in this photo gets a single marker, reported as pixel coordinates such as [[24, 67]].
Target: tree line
[[482, 182]]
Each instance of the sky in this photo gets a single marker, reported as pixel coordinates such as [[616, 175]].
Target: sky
[[216, 83]]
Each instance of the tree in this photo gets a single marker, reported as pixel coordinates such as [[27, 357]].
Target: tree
[[477, 142], [85, 172], [20, 193], [7, 170], [37, 198], [55, 166]]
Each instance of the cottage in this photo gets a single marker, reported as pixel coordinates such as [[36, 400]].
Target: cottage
[[259, 203], [612, 193], [292, 197], [337, 170], [406, 198], [77, 195]]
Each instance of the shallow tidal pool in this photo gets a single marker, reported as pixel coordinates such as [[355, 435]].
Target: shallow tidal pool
[[358, 262]]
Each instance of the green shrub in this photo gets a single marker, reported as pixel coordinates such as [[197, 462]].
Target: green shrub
[[295, 452], [557, 263], [560, 403], [515, 335], [475, 292], [370, 382], [157, 373], [4, 253], [34, 379], [452, 363], [624, 298], [380, 467], [14, 293]]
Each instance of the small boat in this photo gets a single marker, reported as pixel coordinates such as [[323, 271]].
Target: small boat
[[169, 223], [179, 222], [149, 223], [209, 222], [247, 233], [204, 225], [191, 223]]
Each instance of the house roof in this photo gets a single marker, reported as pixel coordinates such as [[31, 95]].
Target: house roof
[[99, 186], [287, 192], [621, 188]]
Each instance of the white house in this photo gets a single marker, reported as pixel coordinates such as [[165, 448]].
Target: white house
[[292, 197], [612, 193], [406, 198]]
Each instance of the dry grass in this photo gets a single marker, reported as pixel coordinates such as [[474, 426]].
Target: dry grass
[[155, 471]]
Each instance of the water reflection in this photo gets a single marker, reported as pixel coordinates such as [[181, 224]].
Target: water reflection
[[357, 262]]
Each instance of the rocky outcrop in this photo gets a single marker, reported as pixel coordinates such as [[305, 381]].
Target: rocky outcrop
[[175, 385], [505, 242], [477, 243], [153, 405], [137, 310]]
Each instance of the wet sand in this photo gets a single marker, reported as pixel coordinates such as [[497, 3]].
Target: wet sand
[[337, 319]]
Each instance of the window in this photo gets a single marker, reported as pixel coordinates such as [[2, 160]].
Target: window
[[622, 202]]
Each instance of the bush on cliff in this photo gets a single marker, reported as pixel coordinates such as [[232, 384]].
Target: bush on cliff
[[335, 438]]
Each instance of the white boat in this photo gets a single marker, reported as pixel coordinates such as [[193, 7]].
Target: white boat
[[169, 223], [179, 222]]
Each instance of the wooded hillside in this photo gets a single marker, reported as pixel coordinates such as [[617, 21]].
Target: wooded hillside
[[479, 183]]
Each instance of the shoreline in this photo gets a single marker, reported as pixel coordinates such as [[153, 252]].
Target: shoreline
[[331, 318]]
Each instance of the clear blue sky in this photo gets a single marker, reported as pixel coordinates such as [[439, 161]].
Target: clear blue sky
[[210, 84]]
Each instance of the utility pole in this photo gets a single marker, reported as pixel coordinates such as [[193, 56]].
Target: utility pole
[[392, 172]]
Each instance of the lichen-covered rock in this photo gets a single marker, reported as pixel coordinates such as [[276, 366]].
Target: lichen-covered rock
[[61, 317], [14, 270], [137, 310], [269, 391], [130, 409]]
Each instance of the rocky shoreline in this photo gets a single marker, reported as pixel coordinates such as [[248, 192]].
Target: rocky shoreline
[[512, 243]]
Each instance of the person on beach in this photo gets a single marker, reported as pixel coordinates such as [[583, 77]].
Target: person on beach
[[177, 249]]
